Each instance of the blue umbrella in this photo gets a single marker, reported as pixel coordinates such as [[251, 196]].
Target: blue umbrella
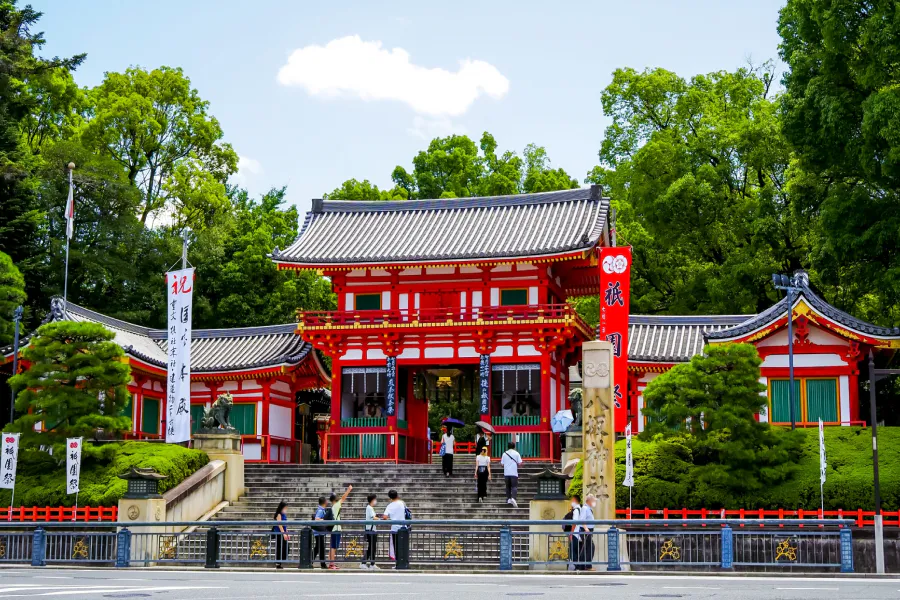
[[453, 422], [561, 421]]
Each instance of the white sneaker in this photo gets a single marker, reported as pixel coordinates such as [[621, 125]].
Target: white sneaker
[[363, 566], [374, 568], [509, 500], [514, 503]]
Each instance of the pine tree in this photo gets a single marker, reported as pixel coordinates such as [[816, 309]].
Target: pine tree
[[12, 294], [75, 385]]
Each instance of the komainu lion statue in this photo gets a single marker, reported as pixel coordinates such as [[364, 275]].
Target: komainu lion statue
[[216, 419]]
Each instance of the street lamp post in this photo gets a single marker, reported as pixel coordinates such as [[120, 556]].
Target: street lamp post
[[790, 285], [17, 319], [879, 523]]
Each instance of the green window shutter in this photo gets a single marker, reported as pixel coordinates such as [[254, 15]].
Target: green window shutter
[[150, 416], [821, 400], [243, 418], [513, 297], [781, 409], [197, 411], [368, 302]]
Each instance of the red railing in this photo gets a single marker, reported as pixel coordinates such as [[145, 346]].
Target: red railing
[[441, 316], [286, 450], [458, 448], [40, 514], [862, 517], [390, 447]]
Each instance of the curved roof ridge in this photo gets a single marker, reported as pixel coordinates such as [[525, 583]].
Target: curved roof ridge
[[107, 320], [320, 206], [688, 319]]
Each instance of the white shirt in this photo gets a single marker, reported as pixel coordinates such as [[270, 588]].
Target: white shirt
[[370, 516], [482, 461], [576, 518], [587, 515], [395, 511], [448, 441], [511, 461]]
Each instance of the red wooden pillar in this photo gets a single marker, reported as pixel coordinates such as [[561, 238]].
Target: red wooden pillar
[[546, 361], [266, 385], [333, 444], [137, 405]]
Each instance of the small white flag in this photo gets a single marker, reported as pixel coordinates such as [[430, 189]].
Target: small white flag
[[823, 462], [10, 450], [73, 465], [70, 211], [629, 461]]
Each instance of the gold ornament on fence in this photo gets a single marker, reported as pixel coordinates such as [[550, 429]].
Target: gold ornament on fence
[[453, 549], [167, 546], [80, 550], [786, 552], [559, 550], [259, 549], [669, 551], [354, 549]]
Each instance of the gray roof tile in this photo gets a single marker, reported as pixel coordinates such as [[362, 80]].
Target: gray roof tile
[[671, 339]]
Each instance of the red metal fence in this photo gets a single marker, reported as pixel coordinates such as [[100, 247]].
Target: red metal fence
[[39, 514], [863, 518]]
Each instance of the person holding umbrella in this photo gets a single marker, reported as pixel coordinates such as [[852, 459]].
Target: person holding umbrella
[[483, 438]]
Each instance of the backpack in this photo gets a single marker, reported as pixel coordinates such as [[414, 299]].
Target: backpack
[[319, 528], [407, 515], [569, 516], [329, 516]]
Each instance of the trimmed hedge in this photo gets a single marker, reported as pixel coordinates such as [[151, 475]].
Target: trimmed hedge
[[41, 478], [664, 475]]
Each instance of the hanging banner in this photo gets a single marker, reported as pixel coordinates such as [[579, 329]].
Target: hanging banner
[[484, 373], [180, 287], [629, 460], [73, 465], [10, 450], [823, 462], [390, 394], [615, 290]]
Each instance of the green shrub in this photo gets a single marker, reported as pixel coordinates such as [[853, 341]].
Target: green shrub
[[41, 481]]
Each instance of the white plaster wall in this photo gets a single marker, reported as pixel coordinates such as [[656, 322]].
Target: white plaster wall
[[816, 336], [533, 295], [281, 386], [495, 297], [468, 352], [503, 351], [553, 387], [409, 353], [528, 350], [348, 303], [844, 398], [281, 420], [357, 273], [403, 300], [440, 270], [375, 354], [804, 360], [476, 299], [386, 300], [252, 451], [353, 354], [439, 352], [259, 417]]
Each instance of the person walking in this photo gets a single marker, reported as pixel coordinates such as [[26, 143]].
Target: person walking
[[371, 534], [586, 528], [336, 506], [574, 541], [281, 535], [511, 461], [395, 511], [482, 472], [480, 442], [448, 441], [319, 532]]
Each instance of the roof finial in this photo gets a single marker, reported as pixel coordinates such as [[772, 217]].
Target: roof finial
[[801, 277]]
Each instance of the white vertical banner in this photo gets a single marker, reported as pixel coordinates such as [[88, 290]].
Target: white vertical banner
[[629, 461], [823, 461], [73, 465], [10, 450], [180, 288]]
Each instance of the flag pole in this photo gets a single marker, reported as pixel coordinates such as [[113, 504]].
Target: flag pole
[[70, 224]]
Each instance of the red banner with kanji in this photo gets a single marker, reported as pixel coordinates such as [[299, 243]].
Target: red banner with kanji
[[615, 289]]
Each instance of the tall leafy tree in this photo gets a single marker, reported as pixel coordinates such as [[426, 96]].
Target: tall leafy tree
[[842, 117], [75, 385], [12, 294]]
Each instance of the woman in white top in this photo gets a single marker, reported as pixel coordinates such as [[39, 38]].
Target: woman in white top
[[447, 460], [482, 473]]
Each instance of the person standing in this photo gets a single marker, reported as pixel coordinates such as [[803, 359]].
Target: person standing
[[319, 532], [371, 534], [480, 442], [586, 528], [511, 461], [448, 442], [281, 535], [336, 506], [395, 511], [482, 472], [574, 541]]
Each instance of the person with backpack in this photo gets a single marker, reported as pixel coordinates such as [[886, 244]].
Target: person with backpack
[[319, 532], [333, 513], [395, 511], [511, 461], [586, 529], [574, 543]]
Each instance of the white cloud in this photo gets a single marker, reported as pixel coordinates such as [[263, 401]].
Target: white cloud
[[350, 66], [428, 129], [247, 167]]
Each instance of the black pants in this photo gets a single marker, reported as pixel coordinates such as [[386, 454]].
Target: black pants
[[482, 482], [447, 464], [574, 551], [281, 549], [319, 549], [371, 547], [585, 552], [512, 487]]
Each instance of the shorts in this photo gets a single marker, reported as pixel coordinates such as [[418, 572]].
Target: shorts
[[335, 541]]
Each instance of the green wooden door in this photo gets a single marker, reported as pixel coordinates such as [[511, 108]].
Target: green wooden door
[[197, 411], [150, 416], [821, 400], [781, 408], [243, 418]]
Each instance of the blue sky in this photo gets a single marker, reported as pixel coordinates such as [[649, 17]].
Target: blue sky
[[313, 93]]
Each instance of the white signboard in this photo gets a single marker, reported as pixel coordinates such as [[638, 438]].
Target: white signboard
[[823, 461], [629, 460], [73, 464], [180, 287], [10, 450]]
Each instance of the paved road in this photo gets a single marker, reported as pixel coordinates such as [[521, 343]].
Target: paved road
[[228, 585]]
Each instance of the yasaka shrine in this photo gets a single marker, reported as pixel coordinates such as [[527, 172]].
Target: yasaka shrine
[[467, 299]]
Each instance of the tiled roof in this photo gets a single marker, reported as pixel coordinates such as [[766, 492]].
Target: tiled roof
[[779, 309], [671, 339], [526, 225], [212, 350]]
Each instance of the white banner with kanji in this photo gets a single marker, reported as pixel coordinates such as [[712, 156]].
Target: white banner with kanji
[[629, 459], [73, 464], [180, 288], [10, 450]]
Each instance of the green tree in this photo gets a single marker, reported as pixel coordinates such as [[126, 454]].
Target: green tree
[[841, 114], [711, 403], [353, 189], [697, 172], [152, 123], [12, 294], [75, 385]]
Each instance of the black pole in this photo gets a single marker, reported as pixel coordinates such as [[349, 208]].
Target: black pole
[[17, 318], [873, 417], [790, 299]]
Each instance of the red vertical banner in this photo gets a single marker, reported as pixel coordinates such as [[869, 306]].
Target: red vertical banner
[[615, 291]]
